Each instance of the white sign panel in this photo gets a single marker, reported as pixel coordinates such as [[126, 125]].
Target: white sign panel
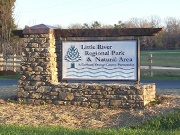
[[100, 60]]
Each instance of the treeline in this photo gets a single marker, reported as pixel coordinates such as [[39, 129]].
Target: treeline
[[9, 44], [168, 39]]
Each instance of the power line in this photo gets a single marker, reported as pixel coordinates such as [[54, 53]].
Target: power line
[[87, 9]]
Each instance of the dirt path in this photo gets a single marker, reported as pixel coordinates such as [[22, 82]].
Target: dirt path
[[81, 117]]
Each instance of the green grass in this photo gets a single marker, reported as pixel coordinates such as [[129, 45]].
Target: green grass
[[26, 130], [10, 77], [164, 125], [166, 58], [161, 58], [169, 122], [160, 75]]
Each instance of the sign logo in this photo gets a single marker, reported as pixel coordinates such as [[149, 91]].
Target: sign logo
[[72, 55]]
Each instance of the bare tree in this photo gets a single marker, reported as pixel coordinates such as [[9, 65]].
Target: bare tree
[[6, 25], [171, 35], [75, 26]]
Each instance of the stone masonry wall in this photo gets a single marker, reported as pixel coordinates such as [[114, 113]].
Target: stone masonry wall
[[40, 77], [38, 67], [91, 95]]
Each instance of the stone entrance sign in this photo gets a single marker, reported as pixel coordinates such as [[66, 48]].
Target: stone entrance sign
[[47, 57]]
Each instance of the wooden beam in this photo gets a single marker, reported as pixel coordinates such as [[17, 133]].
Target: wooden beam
[[18, 33], [101, 32], [107, 32]]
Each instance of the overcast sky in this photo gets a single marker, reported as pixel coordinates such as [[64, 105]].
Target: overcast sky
[[66, 12]]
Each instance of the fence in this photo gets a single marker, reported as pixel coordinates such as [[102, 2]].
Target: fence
[[151, 62], [10, 62], [160, 62]]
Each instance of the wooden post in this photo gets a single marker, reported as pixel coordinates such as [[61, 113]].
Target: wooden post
[[139, 66], [14, 63], [1, 62], [62, 39], [150, 64], [138, 61]]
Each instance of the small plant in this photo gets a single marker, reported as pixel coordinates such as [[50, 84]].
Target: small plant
[[113, 107], [44, 103], [157, 100], [9, 100], [94, 106], [22, 102]]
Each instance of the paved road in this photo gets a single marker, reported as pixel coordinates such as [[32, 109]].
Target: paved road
[[8, 82], [163, 84]]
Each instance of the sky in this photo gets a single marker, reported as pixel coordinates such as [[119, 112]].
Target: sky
[[107, 12]]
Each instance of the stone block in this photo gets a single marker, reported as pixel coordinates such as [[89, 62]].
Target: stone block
[[22, 94], [82, 86], [140, 92], [40, 40], [29, 69], [110, 92], [25, 83], [85, 104], [22, 77], [30, 101], [131, 101], [29, 88], [35, 54], [120, 92], [20, 82], [131, 92], [94, 105], [38, 78], [45, 45], [46, 97], [39, 50], [53, 97], [67, 90], [48, 101], [104, 104], [72, 85], [77, 103], [65, 96], [38, 102], [22, 68], [36, 95], [108, 89], [97, 96], [38, 68], [114, 86], [122, 97], [115, 102], [56, 89], [53, 93], [78, 94], [110, 96], [33, 45], [92, 92], [94, 100], [138, 97], [80, 98]]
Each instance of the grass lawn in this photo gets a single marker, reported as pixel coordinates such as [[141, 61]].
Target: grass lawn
[[169, 58], [164, 125], [10, 77], [164, 58]]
